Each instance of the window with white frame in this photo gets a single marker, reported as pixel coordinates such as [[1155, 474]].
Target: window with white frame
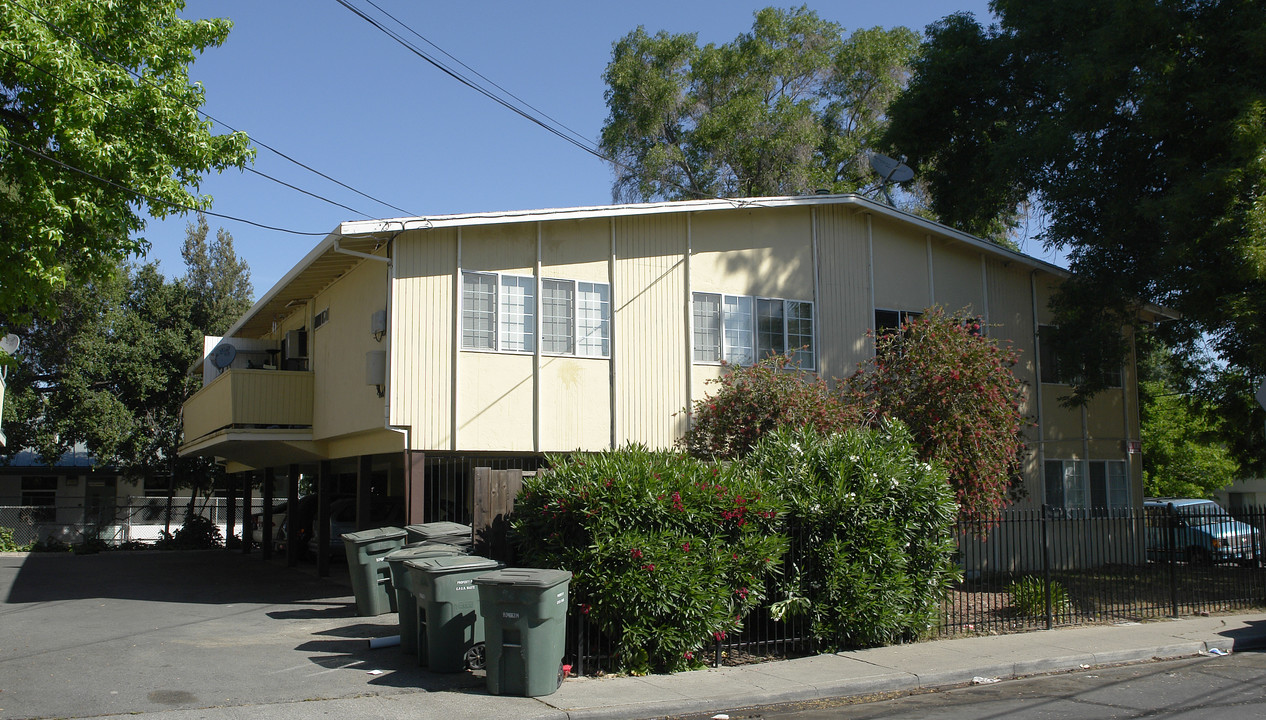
[[887, 321], [740, 329], [1093, 487], [499, 313]]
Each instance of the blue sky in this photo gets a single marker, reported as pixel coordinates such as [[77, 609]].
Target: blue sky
[[318, 83]]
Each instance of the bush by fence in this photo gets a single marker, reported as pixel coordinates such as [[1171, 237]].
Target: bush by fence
[[672, 555]]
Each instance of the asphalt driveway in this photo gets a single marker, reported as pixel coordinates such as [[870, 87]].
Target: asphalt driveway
[[138, 632]]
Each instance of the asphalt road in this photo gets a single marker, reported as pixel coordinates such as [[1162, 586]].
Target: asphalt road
[[1231, 687], [138, 633]]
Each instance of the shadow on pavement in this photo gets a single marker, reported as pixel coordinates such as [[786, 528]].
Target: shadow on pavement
[[1250, 637], [210, 576]]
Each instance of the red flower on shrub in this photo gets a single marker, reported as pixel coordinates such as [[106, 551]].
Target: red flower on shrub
[[584, 608], [742, 593], [649, 567], [637, 554]]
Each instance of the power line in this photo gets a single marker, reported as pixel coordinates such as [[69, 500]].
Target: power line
[[155, 128], [582, 144], [544, 121], [104, 58], [481, 76], [147, 196]]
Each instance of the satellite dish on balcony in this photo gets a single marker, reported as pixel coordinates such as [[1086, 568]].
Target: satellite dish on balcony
[[9, 344], [222, 356], [890, 170]]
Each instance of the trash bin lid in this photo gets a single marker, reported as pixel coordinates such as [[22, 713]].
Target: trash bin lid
[[373, 535], [525, 577], [451, 564], [439, 529], [421, 550]]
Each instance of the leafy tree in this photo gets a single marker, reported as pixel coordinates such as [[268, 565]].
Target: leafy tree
[[1183, 455], [788, 108], [216, 278], [752, 401], [1140, 127], [954, 389], [1200, 424], [109, 367], [98, 122]]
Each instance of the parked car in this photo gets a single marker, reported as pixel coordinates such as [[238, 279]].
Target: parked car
[[277, 535], [1198, 532], [383, 511]]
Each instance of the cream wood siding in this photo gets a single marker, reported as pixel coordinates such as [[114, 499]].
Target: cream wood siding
[[344, 403], [249, 397], [650, 301], [421, 327], [576, 250], [901, 267], [1011, 321], [377, 442], [575, 404], [500, 248], [767, 253], [957, 279], [495, 408], [843, 310]]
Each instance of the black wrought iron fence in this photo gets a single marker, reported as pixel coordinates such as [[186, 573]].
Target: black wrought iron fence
[[1036, 569]]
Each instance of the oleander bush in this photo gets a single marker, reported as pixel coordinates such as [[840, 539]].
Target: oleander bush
[[668, 553], [873, 524]]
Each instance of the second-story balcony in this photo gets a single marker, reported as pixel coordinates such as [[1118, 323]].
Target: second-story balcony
[[250, 416]]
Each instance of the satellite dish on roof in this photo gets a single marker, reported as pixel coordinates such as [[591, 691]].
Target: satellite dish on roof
[[9, 344], [890, 170], [222, 356]]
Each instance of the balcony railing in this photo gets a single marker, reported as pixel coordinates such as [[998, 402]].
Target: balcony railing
[[244, 399]]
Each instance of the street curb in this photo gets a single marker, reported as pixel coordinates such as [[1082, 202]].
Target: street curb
[[898, 682]]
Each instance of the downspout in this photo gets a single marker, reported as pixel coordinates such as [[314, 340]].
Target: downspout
[[1037, 371], [611, 373], [813, 319], [931, 273], [456, 342], [870, 269], [689, 307], [536, 348], [984, 291]]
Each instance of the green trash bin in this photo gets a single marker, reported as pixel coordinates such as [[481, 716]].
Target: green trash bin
[[445, 532], [525, 629], [366, 565], [406, 602], [450, 633]]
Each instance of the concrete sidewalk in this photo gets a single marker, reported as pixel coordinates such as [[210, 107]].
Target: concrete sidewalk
[[215, 636]]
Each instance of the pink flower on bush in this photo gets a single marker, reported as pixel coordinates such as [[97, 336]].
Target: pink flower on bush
[[688, 655], [685, 547], [650, 567], [719, 635], [637, 554], [742, 593], [584, 608]]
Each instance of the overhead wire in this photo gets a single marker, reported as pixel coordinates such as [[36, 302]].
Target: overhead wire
[[105, 58], [540, 118], [144, 195], [156, 129]]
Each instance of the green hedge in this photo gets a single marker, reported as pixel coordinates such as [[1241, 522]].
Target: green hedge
[[874, 527], [671, 553]]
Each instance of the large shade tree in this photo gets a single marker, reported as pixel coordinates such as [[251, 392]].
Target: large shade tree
[[788, 108], [1140, 128], [108, 369], [99, 124]]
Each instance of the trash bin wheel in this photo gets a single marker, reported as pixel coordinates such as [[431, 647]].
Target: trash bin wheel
[[561, 673], [476, 657]]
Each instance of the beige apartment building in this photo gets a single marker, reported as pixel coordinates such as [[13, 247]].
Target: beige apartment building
[[398, 354]]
